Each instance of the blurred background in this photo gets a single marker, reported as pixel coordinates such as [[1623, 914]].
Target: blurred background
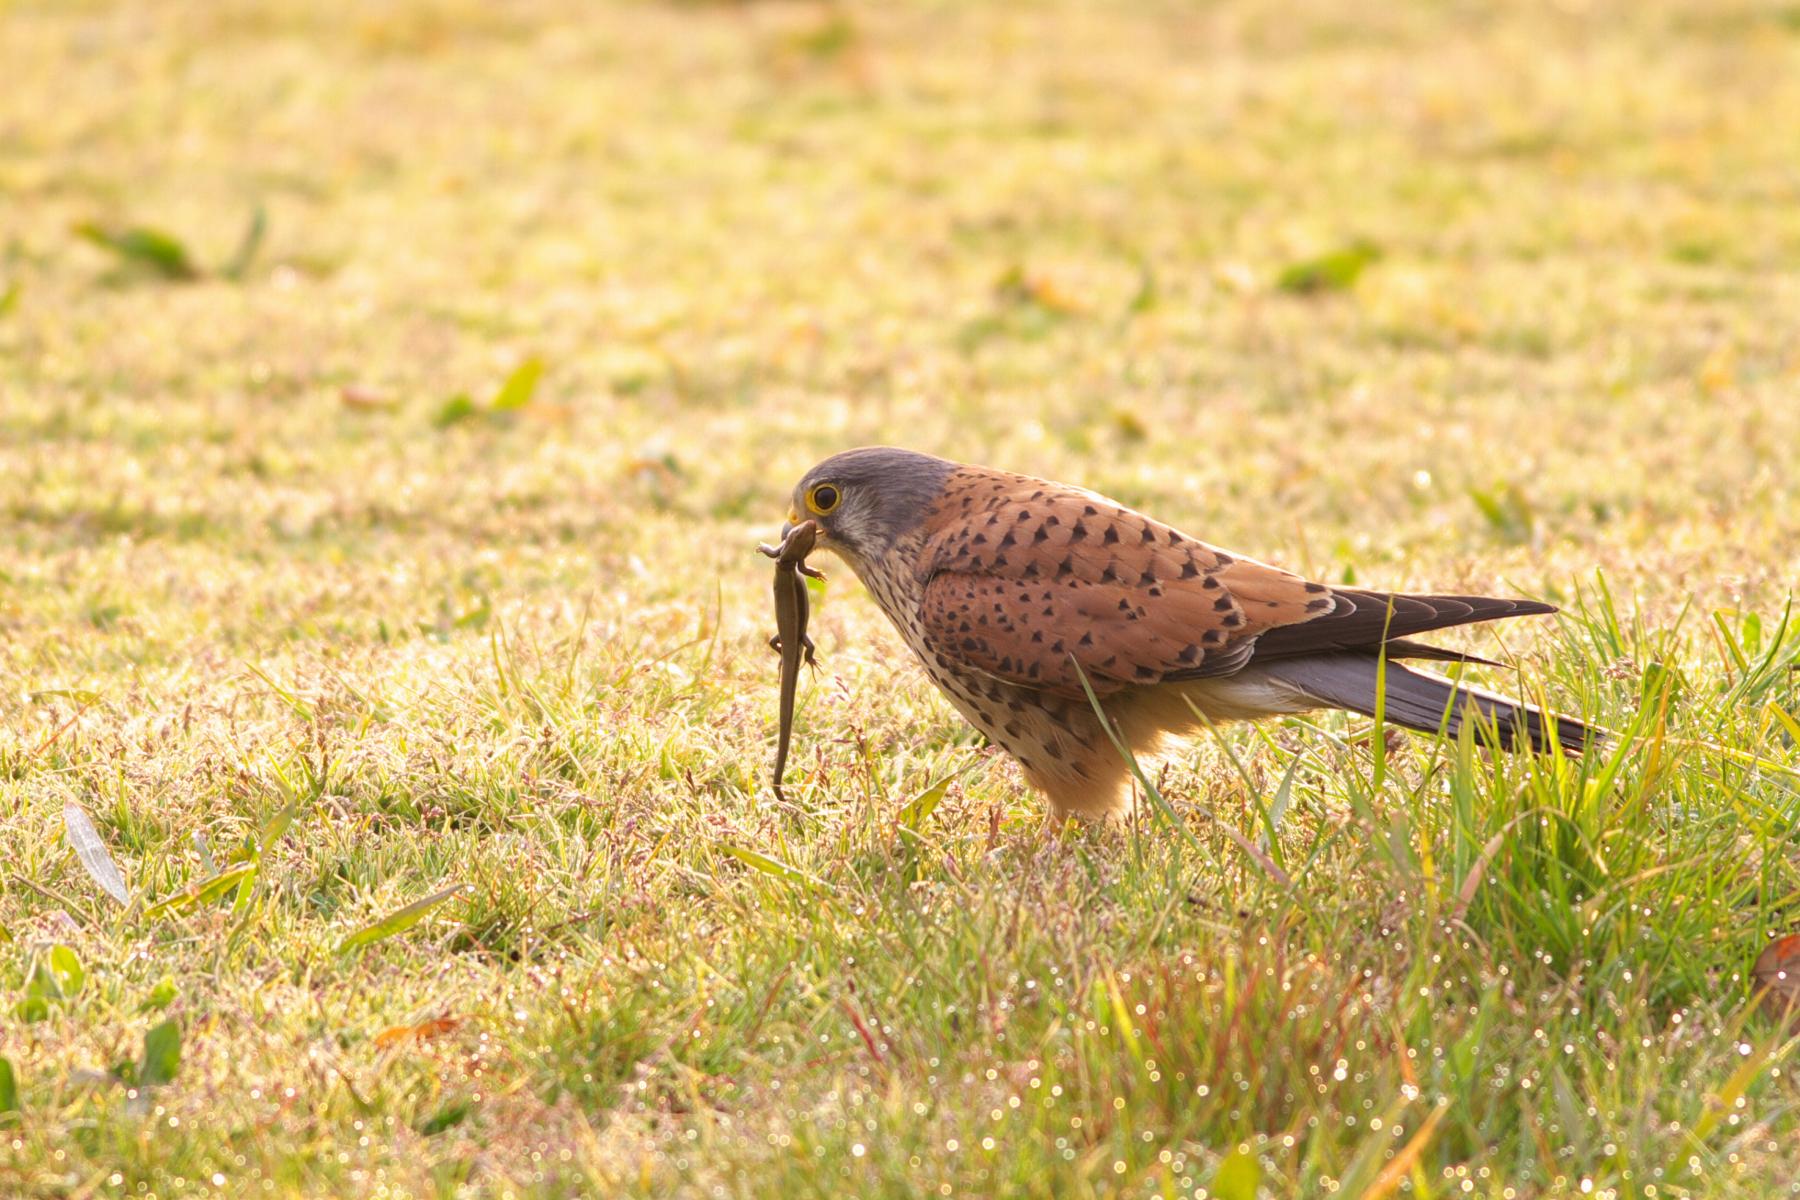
[[1338, 284]]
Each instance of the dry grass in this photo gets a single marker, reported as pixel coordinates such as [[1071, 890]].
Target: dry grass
[[249, 564]]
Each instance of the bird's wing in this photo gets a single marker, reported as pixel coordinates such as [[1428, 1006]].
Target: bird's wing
[[1027, 580]]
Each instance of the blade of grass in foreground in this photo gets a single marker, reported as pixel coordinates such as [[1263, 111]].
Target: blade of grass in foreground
[[777, 868], [92, 852], [398, 921]]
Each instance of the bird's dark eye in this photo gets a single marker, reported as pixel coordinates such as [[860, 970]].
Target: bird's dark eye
[[823, 498]]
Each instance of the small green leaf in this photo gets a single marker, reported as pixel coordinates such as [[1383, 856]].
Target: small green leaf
[[34, 1007], [143, 248], [455, 410], [517, 391], [1147, 294], [204, 892], [162, 1055], [1238, 1177], [160, 997], [447, 1117], [9, 1090], [913, 816], [1331, 272], [66, 971], [775, 867], [398, 921], [248, 245], [1506, 510], [276, 826], [9, 299]]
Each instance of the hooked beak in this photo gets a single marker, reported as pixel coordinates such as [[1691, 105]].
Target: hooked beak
[[794, 520]]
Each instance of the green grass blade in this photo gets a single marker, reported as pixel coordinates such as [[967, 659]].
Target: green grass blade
[[775, 867], [399, 921], [204, 892]]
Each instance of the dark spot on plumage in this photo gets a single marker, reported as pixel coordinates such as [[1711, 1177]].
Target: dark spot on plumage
[[1055, 751], [1189, 570], [1037, 637], [1031, 570], [1318, 606], [1143, 672], [1032, 672], [1189, 653], [1111, 536], [1232, 620], [1009, 541], [1078, 534], [1223, 559], [1049, 611], [1109, 660], [994, 519], [1013, 729], [1056, 647], [1223, 604], [1065, 568], [1147, 579], [1041, 536], [1053, 519], [999, 560], [1086, 639], [1109, 575], [1088, 510], [1174, 538], [1157, 590], [1316, 588], [1211, 581], [1024, 515], [970, 644], [1213, 637], [979, 539], [1149, 535]]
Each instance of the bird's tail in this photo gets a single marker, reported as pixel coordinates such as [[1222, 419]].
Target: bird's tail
[[1428, 703]]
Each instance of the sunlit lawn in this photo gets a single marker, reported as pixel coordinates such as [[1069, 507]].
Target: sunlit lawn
[[398, 539]]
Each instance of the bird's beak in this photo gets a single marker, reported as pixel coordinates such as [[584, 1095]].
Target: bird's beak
[[793, 519]]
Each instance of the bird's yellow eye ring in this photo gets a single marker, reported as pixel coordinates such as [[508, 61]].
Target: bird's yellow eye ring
[[823, 497]]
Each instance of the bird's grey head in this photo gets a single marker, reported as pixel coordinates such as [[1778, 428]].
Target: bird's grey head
[[863, 500]]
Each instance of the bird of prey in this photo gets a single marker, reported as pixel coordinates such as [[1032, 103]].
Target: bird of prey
[[1014, 591]]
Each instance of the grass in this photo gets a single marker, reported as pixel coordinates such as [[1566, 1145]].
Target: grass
[[400, 541]]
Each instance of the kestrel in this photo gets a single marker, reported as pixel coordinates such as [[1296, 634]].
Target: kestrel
[[1011, 589]]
